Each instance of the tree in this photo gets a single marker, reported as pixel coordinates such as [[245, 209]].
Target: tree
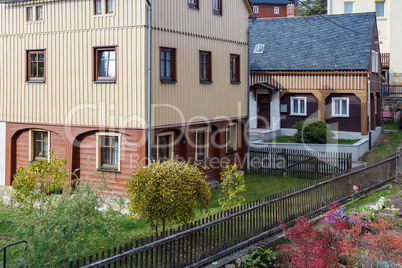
[[167, 192], [233, 187], [311, 7]]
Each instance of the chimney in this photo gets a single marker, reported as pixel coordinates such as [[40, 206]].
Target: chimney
[[291, 8]]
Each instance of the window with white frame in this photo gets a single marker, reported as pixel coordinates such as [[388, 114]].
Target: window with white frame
[[276, 10], [348, 7], [39, 146], [340, 107], [164, 145], [108, 151], [380, 9], [231, 138], [375, 61], [255, 9], [298, 106], [202, 144]]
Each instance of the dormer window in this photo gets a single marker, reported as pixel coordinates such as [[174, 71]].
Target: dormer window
[[259, 48]]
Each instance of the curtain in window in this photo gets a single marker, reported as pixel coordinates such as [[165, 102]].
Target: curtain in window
[[348, 8], [379, 9]]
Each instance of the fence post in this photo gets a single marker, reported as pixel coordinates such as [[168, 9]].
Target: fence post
[[285, 162], [261, 218], [399, 160], [173, 247], [364, 175]]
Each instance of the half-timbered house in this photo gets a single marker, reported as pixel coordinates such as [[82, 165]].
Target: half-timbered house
[[327, 67]]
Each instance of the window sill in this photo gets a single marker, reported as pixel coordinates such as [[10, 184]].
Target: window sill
[[298, 114], [201, 160], [206, 82], [194, 8], [108, 170], [168, 81], [35, 81], [104, 82], [231, 152], [217, 13], [341, 116], [104, 15], [235, 82]]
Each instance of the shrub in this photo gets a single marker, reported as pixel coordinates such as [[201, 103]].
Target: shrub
[[233, 187], [40, 178], [313, 131], [167, 192], [69, 228], [261, 257]]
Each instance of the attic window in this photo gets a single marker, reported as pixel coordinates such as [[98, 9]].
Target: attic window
[[259, 48]]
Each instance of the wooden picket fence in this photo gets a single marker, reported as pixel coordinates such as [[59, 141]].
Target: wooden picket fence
[[205, 241], [298, 163]]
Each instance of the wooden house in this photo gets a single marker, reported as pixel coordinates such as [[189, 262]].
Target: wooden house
[[274, 8], [83, 77], [324, 67]]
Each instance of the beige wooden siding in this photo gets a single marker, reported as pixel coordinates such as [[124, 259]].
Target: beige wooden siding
[[68, 33], [177, 16], [70, 15], [312, 80], [188, 100]]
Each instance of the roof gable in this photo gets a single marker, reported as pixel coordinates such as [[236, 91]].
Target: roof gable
[[336, 42]]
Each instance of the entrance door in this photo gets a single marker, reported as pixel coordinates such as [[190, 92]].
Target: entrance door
[[264, 109]]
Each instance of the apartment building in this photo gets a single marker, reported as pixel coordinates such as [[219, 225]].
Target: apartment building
[[388, 21], [84, 78]]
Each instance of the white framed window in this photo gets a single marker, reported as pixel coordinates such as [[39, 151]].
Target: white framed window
[[298, 106], [202, 143], [108, 153], [380, 9], [348, 7], [231, 138], [39, 145], [255, 9], [375, 61], [340, 107], [164, 143], [276, 10]]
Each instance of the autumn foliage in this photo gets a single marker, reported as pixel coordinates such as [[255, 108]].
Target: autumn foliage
[[167, 192], [343, 240]]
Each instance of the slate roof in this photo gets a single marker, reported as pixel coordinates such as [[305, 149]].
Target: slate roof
[[312, 43]]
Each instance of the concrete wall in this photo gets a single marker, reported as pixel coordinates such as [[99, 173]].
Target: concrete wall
[[358, 149]]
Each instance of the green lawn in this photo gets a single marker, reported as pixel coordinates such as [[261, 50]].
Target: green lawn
[[391, 126], [291, 139], [257, 186], [385, 145]]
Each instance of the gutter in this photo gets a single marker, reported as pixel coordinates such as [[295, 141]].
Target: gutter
[[149, 93], [369, 109]]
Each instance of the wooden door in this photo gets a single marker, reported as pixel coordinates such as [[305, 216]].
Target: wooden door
[[264, 110]]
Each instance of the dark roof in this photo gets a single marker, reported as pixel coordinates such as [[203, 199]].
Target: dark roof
[[313, 43], [278, 2]]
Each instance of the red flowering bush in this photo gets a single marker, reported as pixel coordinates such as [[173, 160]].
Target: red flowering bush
[[343, 240]]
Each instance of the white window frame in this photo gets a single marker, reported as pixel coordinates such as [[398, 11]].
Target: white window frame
[[171, 147], [375, 62], [234, 137], [340, 108], [353, 7], [276, 10], [292, 99], [32, 143], [99, 147], [256, 9], [206, 130], [380, 17]]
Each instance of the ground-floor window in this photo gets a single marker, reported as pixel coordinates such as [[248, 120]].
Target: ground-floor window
[[340, 107], [202, 144], [39, 145], [164, 146], [298, 106], [231, 138], [108, 152]]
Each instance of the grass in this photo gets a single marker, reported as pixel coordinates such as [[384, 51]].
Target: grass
[[391, 126], [257, 186], [291, 139], [385, 145]]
